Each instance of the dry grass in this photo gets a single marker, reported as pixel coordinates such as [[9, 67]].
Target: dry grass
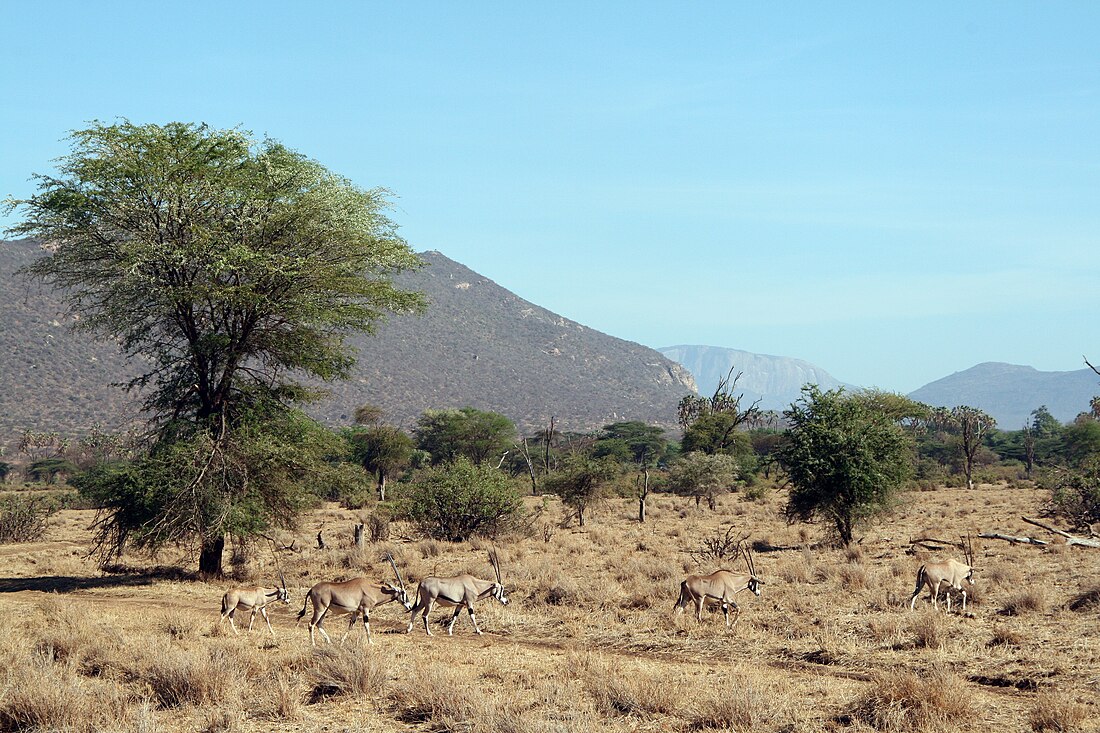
[[904, 701], [1057, 711], [588, 642]]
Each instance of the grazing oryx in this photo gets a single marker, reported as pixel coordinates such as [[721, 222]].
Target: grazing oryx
[[461, 591], [356, 596], [252, 599], [720, 586], [947, 575]]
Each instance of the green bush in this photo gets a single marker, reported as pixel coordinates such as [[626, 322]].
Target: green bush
[[460, 500]]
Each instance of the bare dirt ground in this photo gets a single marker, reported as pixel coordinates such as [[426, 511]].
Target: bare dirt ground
[[587, 641]]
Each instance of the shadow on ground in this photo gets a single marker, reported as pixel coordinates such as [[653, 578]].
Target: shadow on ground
[[72, 583]]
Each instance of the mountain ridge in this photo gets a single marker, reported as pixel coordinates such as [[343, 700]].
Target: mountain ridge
[[477, 345]]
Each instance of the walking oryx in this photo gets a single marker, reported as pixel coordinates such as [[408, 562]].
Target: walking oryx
[[720, 586], [356, 596], [461, 591], [252, 600], [947, 575]]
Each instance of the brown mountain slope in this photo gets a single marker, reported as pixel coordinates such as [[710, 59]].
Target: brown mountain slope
[[478, 345]]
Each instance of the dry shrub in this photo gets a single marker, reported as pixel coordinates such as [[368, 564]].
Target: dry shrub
[[278, 696], [929, 630], [903, 701], [1057, 711], [1030, 600], [616, 690], [178, 626], [443, 700], [430, 548], [889, 631], [51, 696], [645, 569], [338, 671], [209, 677], [1004, 636], [71, 637], [852, 577], [794, 570], [743, 701], [1002, 575], [1087, 600]]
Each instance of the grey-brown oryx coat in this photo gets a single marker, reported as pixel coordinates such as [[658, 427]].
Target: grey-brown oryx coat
[[460, 591], [356, 597], [947, 575], [251, 600], [719, 587]]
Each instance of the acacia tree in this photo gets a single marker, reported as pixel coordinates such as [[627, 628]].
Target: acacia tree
[[469, 432], [382, 450], [711, 424], [703, 476], [635, 442], [844, 459], [971, 425], [233, 267], [582, 482]]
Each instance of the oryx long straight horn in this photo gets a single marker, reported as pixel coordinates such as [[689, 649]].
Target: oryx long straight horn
[[458, 592]]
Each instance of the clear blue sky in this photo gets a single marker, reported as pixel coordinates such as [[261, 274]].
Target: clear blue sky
[[892, 193]]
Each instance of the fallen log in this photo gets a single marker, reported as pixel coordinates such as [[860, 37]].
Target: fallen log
[[1071, 539], [1016, 540]]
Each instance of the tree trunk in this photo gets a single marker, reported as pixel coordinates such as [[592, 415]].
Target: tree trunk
[[642, 495], [210, 556], [360, 538], [381, 486], [641, 509]]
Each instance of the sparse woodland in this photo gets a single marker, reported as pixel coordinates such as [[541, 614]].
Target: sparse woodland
[[842, 498], [587, 642]]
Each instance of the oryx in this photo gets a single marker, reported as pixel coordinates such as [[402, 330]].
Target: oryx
[[461, 591], [356, 596], [720, 586], [948, 575], [252, 600]]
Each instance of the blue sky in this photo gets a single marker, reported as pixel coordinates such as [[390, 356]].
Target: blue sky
[[892, 193]]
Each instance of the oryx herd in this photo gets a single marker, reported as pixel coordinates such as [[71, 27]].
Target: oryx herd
[[357, 597]]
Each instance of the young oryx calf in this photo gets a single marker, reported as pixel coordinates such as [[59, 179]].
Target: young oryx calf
[[252, 600], [461, 591], [947, 575], [720, 586], [355, 597]]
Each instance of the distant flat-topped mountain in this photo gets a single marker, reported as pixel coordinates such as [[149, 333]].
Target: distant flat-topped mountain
[[1009, 392], [478, 345], [776, 381]]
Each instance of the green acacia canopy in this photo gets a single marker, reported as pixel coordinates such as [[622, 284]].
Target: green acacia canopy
[[230, 264]]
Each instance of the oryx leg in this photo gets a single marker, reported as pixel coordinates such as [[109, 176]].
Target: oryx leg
[[699, 601], [318, 619], [229, 615], [473, 619], [454, 617], [964, 599], [251, 618], [352, 618], [427, 610], [726, 612], [263, 612]]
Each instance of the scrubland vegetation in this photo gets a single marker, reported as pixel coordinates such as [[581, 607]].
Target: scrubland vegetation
[[587, 642]]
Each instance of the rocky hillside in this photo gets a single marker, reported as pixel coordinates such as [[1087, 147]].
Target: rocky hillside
[[1010, 392], [478, 345], [774, 380]]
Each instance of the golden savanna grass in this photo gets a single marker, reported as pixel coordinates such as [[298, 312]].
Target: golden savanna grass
[[588, 642]]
